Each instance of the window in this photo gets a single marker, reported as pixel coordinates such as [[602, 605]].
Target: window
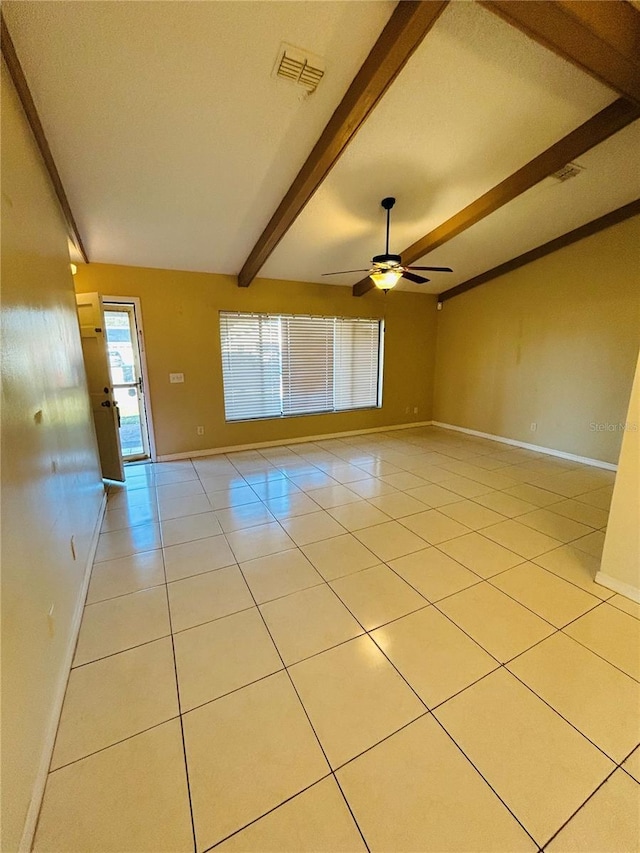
[[278, 365]]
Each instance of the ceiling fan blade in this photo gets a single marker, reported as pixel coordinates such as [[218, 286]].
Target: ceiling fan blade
[[343, 272], [431, 269], [417, 279]]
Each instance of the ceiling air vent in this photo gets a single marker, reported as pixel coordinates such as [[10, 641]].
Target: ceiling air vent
[[301, 67], [571, 170]]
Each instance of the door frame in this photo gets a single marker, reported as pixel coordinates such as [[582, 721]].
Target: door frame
[[137, 311]]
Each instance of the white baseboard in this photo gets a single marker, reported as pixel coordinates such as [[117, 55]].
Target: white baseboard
[[33, 812], [213, 451], [614, 584], [550, 451]]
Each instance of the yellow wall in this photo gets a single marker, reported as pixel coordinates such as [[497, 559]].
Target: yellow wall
[[46, 425], [180, 316], [554, 342], [620, 567]]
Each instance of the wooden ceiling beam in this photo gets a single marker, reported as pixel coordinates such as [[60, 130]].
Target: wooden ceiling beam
[[602, 37], [22, 88], [602, 222], [406, 28], [595, 130]]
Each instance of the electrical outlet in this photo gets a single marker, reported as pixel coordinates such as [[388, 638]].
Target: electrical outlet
[[406, 411], [534, 426], [200, 430], [415, 410], [175, 378], [51, 622], [72, 543]]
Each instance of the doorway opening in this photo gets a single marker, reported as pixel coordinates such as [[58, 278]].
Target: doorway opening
[[125, 346]]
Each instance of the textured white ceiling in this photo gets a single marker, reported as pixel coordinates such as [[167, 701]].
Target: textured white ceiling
[[175, 144]]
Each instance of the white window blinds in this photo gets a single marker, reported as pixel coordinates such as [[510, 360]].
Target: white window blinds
[[283, 365], [250, 366]]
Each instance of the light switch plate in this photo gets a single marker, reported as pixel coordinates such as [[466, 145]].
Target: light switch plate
[[176, 377]]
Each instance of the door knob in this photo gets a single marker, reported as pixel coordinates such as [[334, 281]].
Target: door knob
[[106, 404]]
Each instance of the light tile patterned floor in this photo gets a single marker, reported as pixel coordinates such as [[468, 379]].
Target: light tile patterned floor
[[389, 642]]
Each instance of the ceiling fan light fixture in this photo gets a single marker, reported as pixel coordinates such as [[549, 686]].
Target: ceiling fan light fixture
[[385, 279]]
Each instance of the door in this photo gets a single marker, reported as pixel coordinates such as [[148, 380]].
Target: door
[[103, 403], [125, 363]]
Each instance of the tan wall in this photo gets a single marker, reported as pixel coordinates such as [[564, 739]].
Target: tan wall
[[180, 316], [554, 343], [620, 567], [45, 425]]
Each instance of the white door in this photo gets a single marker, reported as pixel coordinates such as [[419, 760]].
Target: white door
[[103, 404]]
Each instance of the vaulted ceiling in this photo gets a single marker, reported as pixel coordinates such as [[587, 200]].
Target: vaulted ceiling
[[176, 144]]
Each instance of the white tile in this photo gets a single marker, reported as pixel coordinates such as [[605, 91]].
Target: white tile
[[434, 527], [398, 504], [612, 634], [188, 505], [127, 574], [471, 514], [289, 506], [186, 488], [598, 699], [114, 698], [546, 594], [131, 516], [608, 822], [241, 517], [354, 698], [521, 539], [208, 596], [415, 791], [433, 574], [312, 527], [279, 574], [122, 623], [175, 531], [377, 595], [317, 819], [123, 543], [200, 555], [436, 658], [500, 625], [232, 496], [221, 656], [575, 566], [307, 622], [481, 555], [355, 516], [526, 751], [390, 540], [131, 796], [247, 753], [339, 556], [258, 541]]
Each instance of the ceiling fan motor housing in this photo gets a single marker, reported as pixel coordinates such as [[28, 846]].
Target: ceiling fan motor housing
[[387, 260]]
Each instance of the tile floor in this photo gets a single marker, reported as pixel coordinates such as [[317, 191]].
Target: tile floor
[[389, 642]]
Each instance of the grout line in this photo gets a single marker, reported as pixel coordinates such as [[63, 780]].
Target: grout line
[[295, 689], [177, 684], [581, 806], [265, 814], [513, 814]]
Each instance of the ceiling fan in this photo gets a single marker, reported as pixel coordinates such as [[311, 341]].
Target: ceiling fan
[[386, 270]]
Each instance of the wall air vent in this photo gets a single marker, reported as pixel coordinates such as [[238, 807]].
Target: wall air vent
[[299, 66], [571, 170]]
